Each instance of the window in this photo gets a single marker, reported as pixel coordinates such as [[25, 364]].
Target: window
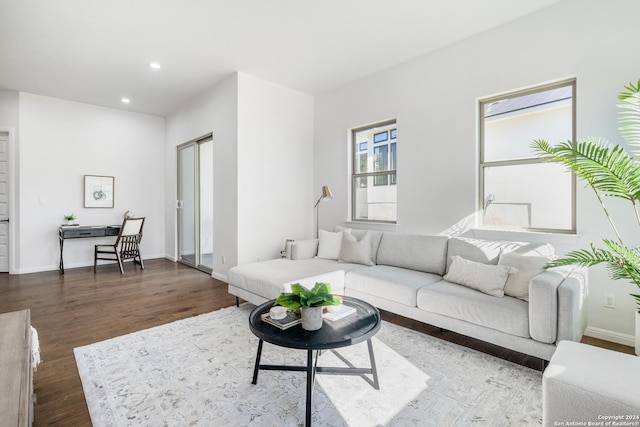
[[518, 189], [374, 187]]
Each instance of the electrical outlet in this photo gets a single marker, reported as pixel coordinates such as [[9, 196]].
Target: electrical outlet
[[224, 259], [610, 300]]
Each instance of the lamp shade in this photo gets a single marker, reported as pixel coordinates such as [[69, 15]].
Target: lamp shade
[[326, 196], [326, 193]]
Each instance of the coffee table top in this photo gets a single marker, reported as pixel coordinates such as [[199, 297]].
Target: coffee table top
[[355, 328]]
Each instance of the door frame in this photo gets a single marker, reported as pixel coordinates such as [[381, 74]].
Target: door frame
[[11, 185], [197, 264]]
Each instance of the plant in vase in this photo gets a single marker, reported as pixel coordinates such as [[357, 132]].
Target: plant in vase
[[610, 172], [68, 219], [310, 302]]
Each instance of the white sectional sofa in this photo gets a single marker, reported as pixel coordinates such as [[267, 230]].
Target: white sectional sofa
[[493, 291]]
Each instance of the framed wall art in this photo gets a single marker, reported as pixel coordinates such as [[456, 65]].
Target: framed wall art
[[98, 191]]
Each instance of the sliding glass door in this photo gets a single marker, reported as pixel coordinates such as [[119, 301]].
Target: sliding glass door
[[195, 203], [205, 162]]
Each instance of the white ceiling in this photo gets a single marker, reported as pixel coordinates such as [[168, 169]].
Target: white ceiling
[[98, 51]]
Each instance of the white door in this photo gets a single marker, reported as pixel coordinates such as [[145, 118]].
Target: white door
[[4, 202]]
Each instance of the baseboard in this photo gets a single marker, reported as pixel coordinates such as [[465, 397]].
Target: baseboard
[[70, 265], [612, 336], [221, 277]]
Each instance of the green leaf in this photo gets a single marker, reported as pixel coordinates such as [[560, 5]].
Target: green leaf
[[322, 289], [629, 116], [289, 300], [608, 169], [300, 296]]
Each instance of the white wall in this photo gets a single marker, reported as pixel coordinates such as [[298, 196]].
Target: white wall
[[9, 111], [214, 111], [263, 142], [275, 148], [434, 99], [60, 142]]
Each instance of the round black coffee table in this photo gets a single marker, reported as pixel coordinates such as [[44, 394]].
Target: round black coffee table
[[353, 329]]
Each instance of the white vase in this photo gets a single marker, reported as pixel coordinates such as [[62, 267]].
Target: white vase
[[311, 318], [637, 333]]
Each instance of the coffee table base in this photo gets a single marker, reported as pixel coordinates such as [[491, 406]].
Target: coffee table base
[[312, 369]]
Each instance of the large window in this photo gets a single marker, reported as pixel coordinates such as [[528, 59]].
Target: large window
[[374, 173], [517, 189]]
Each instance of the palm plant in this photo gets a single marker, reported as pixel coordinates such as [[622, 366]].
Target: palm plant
[[610, 171]]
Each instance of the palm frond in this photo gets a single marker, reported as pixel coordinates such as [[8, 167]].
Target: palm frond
[[583, 258], [626, 264], [608, 169], [629, 116], [623, 263]]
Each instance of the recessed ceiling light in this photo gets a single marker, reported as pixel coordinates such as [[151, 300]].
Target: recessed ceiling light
[[125, 100], [154, 65]]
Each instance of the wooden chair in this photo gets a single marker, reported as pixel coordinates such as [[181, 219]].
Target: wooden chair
[[127, 245]]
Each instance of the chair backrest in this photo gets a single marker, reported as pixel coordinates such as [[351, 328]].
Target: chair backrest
[[131, 226], [130, 231]]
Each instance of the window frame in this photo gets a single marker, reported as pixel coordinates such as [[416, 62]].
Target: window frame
[[356, 176], [482, 164]]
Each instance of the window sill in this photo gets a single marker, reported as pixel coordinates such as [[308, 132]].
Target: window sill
[[525, 236], [371, 225]]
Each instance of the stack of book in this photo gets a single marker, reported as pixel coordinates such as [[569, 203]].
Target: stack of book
[[291, 319], [338, 312]]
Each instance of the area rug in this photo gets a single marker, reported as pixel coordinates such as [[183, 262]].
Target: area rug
[[198, 372]]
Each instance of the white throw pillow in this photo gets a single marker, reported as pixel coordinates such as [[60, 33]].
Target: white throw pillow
[[329, 244], [486, 278], [356, 251], [528, 266]]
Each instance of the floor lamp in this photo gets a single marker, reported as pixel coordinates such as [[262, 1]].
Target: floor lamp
[[326, 196]]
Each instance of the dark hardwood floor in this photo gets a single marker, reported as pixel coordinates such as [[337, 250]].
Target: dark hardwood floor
[[81, 308]]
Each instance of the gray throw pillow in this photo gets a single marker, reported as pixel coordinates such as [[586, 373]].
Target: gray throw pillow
[[356, 251], [486, 278], [527, 266]]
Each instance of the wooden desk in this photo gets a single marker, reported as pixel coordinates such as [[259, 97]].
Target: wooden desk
[[16, 372], [82, 232]]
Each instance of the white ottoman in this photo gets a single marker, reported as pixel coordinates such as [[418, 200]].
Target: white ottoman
[[584, 384]]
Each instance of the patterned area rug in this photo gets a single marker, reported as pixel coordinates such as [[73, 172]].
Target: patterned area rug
[[198, 371]]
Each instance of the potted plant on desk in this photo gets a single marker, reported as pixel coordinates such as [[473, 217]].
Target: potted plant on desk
[[68, 219], [310, 303]]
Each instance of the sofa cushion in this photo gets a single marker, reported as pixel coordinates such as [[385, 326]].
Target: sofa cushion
[[329, 244], [304, 249], [484, 251], [354, 250], [527, 266], [416, 252], [269, 278], [535, 249], [488, 251], [395, 284], [376, 236], [486, 278], [509, 315]]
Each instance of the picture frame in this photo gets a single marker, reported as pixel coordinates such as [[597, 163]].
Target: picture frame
[[98, 191]]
